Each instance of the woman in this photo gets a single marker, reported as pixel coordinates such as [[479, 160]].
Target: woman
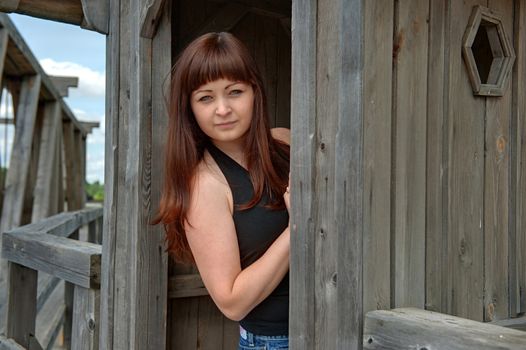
[[225, 200]]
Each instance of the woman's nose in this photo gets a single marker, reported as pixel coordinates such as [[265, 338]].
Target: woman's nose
[[222, 108]]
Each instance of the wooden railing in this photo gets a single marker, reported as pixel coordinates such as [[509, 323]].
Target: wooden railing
[[52, 246], [410, 328]]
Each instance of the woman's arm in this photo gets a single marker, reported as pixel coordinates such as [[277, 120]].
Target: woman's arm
[[213, 241], [281, 134]]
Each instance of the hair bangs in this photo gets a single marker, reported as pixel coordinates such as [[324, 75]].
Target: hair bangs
[[218, 62]]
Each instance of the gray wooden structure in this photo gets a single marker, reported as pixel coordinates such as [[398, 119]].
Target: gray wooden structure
[[46, 175], [408, 173]]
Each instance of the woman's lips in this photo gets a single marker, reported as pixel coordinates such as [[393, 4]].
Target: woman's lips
[[226, 125]]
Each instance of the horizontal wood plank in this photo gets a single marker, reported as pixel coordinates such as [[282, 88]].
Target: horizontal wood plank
[[74, 261], [183, 286], [410, 328]]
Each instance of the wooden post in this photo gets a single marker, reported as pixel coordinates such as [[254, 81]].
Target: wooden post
[[134, 287], [72, 167], [327, 214], [69, 300], [46, 162], [21, 304], [20, 158], [86, 321], [4, 38]]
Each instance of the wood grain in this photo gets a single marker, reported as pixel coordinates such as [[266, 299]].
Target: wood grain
[[414, 328]]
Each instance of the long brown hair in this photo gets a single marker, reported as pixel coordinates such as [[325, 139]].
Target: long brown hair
[[210, 57]]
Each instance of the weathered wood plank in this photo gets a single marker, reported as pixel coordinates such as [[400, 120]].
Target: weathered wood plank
[[51, 317], [303, 153], [4, 38], [496, 191], [326, 243], [72, 167], [183, 324], [465, 178], [21, 303], [230, 334], [150, 16], [209, 325], [63, 224], [86, 319], [20, 154], [17, 173], [9, 344], [349, 205], [419, 329], [377, 79], [64, 83], [46, 160], [519, 175], [95, 15], [436, 240], [107, 301], [189, 285], [68, 11], [410, 93], [282, 118], [71, 260], [222, 20]]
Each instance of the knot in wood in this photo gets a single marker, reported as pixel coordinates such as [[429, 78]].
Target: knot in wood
[[501, 144], [91, 324]]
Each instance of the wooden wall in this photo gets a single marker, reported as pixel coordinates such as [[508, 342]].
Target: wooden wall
[[443, 169]]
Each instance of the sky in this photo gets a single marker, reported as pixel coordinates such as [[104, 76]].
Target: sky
[[64, 49]]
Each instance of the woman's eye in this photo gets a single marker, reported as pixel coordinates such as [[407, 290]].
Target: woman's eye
[[236, 92], [204, 98]]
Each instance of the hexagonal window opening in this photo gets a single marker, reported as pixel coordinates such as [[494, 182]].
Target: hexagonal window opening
[[487, 52]]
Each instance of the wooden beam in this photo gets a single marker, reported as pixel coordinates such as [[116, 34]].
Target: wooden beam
[[9, 5], [22, 303], [72, 163], [68, 259], [4, 38], [89, 126], [64, 83], [96, 15], [182, 286], [150, 15], [277, 9], [86, 320], [7, 121], [410, 328], [19, 42], [21, 154], [46, 161], [67, 11]]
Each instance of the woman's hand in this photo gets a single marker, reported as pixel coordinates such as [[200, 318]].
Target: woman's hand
[[286, 197]]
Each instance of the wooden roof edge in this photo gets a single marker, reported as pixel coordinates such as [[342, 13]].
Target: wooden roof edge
[[17, 39], [89, 126], [89, 14]]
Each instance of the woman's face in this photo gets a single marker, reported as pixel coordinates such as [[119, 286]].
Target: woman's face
[[223, 110]]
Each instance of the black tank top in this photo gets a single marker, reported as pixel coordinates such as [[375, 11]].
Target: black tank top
[[257, 228]]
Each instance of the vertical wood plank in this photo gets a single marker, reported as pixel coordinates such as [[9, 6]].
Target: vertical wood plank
[[61, 178], [110, 178], [349, 205], [46, 162], [20, 157], [69, 301], [4, 38], [230, 334], [377, 78], [465, 178], [303, 150], [79, 173], [496, 190], [283, 77], [326, 240], [156, 275], [410, 93], [209, 325], [436, 234], [21, 304], [182, 331], [86, 323], [518, 289], [71, 162]]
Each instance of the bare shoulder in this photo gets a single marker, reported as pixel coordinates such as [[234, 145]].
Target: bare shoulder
[[281, 134]]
